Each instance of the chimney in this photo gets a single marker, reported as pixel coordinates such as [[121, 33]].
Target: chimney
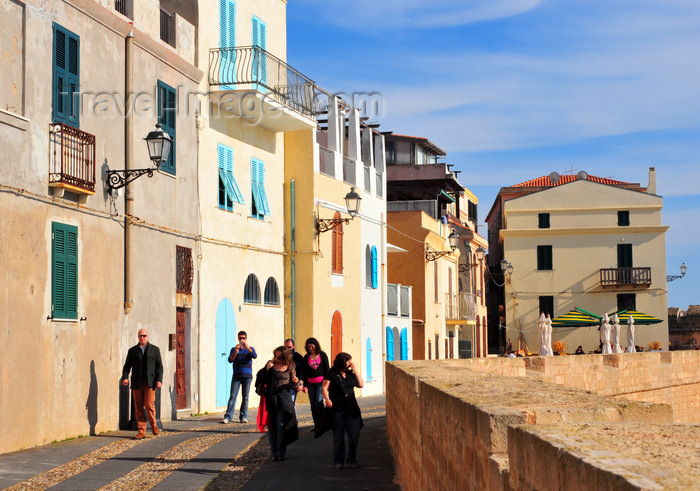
[[651, 188]]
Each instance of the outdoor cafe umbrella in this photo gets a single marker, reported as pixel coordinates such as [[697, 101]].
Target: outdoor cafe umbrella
[[548, 335], [605, 335], [640, 318], [576, 318], [541, 330]]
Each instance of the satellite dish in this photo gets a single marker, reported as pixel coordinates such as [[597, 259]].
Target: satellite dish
[[582, 175], [554, 177]]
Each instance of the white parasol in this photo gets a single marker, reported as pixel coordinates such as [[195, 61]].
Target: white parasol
[[541, 330], [605, 335], [615, 337], [548, 335], [630, 335]]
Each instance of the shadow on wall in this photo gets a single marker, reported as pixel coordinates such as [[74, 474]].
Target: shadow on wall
[[91, 403]]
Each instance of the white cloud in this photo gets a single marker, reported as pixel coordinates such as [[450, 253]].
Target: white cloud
[[361, 15]]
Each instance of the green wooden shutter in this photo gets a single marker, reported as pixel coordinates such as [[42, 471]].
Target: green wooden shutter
[[66, 76], [167, 112], [64, 271]]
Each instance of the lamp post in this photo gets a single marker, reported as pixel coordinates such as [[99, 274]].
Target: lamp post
[[352, 203], [672, 277], [432, 255], [159, 143]]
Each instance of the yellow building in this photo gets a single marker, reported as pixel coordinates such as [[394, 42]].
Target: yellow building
[[335, 283], [577, 241]]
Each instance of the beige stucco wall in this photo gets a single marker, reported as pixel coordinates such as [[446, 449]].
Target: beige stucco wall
[[584, 237], [73, 367]]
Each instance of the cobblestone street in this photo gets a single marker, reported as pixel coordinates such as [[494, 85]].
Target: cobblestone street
[[201, 453]]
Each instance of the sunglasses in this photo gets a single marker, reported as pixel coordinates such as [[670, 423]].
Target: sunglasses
[[241, 337], [143, 335]]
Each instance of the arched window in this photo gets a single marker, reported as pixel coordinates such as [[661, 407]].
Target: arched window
[[272, 293], [251, 293], [368, 267], [337, 250]]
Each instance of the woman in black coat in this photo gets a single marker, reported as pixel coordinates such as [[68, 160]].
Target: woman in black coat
[[280, 377]]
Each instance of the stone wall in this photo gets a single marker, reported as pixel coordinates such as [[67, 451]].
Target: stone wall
[[544, 422]]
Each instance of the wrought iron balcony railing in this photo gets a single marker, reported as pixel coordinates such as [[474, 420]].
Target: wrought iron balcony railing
[[72, 157], [625, 276], [253, 67]]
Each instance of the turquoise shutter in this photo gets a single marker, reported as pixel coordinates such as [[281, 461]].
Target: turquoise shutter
[[166, 117], [375, 279], [259, 58], [261, 186], [66, 76], [227, 39], [389, 344], [404, 344], [257, 178], [224, 196], [64, 274]]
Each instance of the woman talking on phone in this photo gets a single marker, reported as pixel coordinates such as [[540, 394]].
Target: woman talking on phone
[[339, 395]]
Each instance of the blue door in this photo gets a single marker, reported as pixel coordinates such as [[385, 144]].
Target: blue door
[[368, 355], [225, 340]]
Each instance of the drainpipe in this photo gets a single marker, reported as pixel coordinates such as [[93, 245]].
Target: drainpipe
[[292, 286], [128, 164]]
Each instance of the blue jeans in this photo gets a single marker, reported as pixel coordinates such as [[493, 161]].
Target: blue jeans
[[351, 426], [237, 383], [316, 402], [276, 424]]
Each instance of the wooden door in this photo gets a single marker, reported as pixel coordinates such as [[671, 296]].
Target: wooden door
[[336, 335], [180, 381]]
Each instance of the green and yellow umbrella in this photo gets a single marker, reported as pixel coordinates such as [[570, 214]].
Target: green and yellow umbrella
[[576, 318], [640, 318]]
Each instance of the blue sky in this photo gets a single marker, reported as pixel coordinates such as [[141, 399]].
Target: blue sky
[[516, 89]]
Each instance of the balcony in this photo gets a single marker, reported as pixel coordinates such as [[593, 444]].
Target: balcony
[[460, 306], [625, 276], [72, 159], [262, 89]]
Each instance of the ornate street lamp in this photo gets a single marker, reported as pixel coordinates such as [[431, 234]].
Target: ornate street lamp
[[159, 144], [352, 203], [432, 255], [672, 277]]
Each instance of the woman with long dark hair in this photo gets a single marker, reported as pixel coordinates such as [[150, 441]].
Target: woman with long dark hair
[[339, 395], [280, 377], [312, 371]]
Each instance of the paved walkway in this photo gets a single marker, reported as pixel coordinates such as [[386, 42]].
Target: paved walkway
[[199, 453]]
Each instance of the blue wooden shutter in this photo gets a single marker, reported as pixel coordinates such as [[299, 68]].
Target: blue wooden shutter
[[64, 271], [404, 343], [389, 344], [66, 76], [167, 112], [259, 58], [257, 178], [227, 39], [375, 279]]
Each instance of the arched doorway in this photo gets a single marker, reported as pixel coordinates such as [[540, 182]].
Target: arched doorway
[[336, 335]]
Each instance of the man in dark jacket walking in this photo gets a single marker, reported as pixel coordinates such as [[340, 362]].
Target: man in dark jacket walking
[[146, 366]]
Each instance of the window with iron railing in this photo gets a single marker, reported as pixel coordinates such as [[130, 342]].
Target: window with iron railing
[[167, 27], [72, 159], [125, 7]]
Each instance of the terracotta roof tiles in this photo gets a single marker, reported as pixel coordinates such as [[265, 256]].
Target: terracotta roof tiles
[[545, 181]]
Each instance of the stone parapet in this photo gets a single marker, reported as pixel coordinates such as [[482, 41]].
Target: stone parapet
[[465, 424]]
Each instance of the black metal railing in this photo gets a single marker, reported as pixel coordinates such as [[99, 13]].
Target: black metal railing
[[72, 154], [124, 7], [253, 67], [625, 276]]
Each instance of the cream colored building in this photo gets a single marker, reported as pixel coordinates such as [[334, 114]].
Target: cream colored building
[[76, 286], [580, 241]]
